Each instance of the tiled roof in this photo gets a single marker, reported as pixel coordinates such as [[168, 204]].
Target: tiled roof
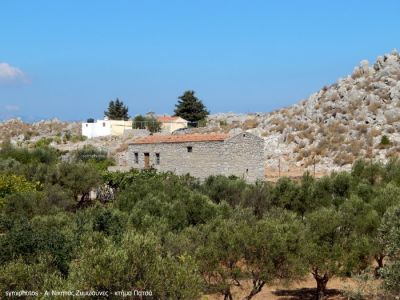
[[183, 138], [167, 118]]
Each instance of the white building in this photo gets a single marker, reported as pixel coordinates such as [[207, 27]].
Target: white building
[[105, 128], [170, 124]]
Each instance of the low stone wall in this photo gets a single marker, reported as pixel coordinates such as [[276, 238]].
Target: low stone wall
[[135, 132]]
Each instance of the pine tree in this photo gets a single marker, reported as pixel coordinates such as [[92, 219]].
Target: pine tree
[[117, 110], [190, 108]]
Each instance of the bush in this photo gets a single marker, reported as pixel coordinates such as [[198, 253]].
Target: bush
[[20, 276], [249, 124], [149, 123], [390, 238], [139, 122], [385, 141], [92, 155], [12, 184], [223, 123]]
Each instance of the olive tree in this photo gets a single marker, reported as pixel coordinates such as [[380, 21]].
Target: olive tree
[[390, 239], [332, 247], [273, 250]]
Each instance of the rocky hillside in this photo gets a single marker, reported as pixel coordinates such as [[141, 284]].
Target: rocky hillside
[[358, 116], [65, 136], [20, 132]]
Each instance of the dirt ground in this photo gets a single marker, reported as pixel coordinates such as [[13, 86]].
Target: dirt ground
[[273, 175], [304, 290]]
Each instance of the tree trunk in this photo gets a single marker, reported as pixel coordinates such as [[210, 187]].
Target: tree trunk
[[257, 287], [228, 295], [379, 259], [321, 285]]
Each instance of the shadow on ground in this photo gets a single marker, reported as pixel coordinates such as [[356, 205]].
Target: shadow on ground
[[304, 294]]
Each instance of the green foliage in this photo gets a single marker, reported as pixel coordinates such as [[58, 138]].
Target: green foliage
[[41, 154], [29, 242], [139, 122], [17, 275], [190, 108], [79, 178], [153, 125], [117, 110], [91, 155], [390, 239], [273, 249], [43, 142], [180, 237], [223, 123], [385, 140], [219, 249], [164, 199], [137, 263], [370, 171], [221, 188], [11, 184], [150, 123]]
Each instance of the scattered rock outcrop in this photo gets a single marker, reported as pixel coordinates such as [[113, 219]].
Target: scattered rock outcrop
[[358, 116], [336, 125]]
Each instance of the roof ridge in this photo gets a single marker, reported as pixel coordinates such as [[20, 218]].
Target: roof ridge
[[195, 137]]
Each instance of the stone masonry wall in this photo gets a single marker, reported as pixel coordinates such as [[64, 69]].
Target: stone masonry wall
[[231, 157], [244, 156]]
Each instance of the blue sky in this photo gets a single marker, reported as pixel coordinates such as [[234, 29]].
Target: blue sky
[[68, 59]]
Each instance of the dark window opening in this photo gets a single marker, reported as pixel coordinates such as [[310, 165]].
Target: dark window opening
[[136, 158], [190, 149], [157, 158], [104, 124], [244, 134]]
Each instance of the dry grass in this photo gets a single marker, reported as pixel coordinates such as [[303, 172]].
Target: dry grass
[[122, 148], [373, 107], [337, 128], [390, 129], [303, 153], [374, 132], [362, 128], [301, 290], [392, 118], [290, 138], [355, 147], [249, 124], [265, 133], [343, 158]]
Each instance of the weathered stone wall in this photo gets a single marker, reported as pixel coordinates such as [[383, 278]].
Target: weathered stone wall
[[241, 155], [244, 156], [135, 132]]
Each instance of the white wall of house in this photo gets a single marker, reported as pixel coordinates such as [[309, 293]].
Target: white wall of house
[[105, 128], [175, 124]]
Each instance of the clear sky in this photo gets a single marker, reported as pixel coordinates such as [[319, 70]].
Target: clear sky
[[68, 59]]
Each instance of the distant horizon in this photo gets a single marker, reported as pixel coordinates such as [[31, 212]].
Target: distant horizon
[[238, 57]]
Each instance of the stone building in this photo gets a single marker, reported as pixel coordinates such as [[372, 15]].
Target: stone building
[[201, 155]]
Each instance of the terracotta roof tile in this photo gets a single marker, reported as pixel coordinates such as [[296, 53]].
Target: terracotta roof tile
[[158, 139], [167, 118]]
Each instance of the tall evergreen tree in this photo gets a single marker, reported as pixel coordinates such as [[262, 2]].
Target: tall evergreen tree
[[190, 108], [117, 110]]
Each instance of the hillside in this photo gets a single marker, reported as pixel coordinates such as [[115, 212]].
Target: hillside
[[358, 116], [335, 125]]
